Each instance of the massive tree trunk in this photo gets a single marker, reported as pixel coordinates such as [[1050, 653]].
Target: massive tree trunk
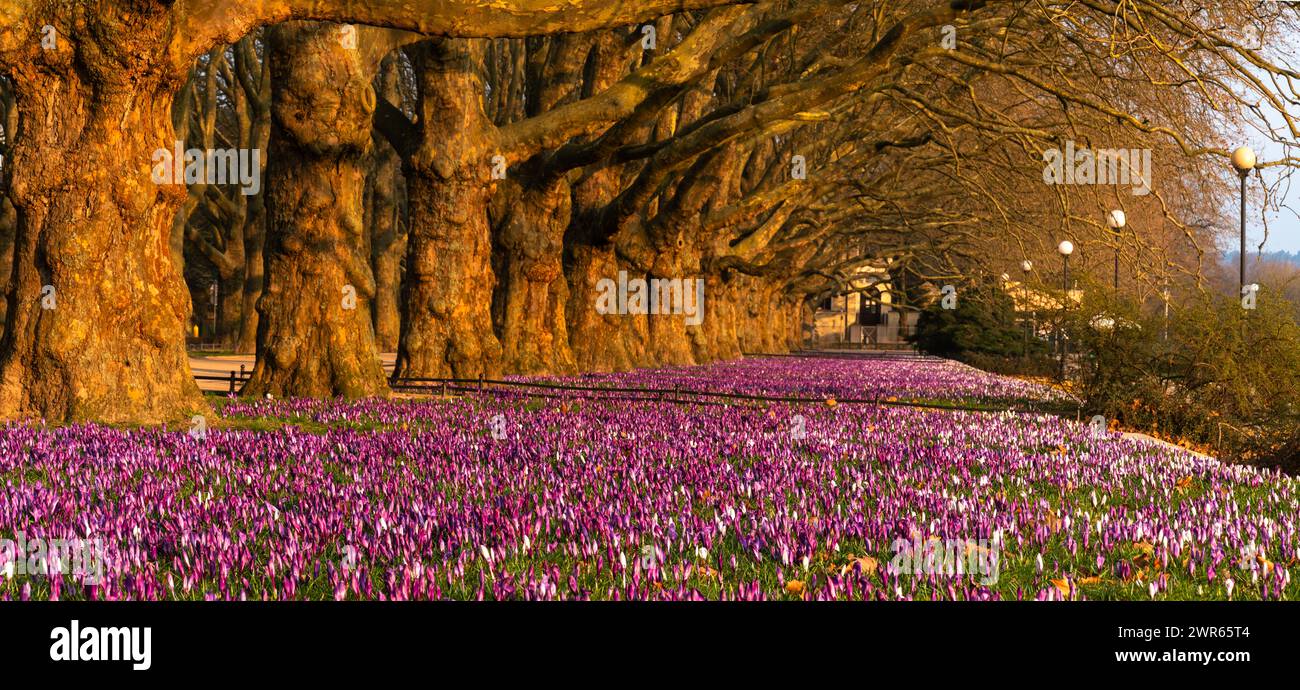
[[8, 230], [447, 294], [8, 214], [716, 338], [254, 273], [97, 309], [754, 314], [230, 309], [535, 209], [664, 249], [671, 333], [602, 342], [533, 291], [256, 97], [774, 320], [388, 244], [315, 336], [388, 229], [591, 334], [793, 322]]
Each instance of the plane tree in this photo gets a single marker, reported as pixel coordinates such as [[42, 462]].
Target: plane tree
[[94, 84]]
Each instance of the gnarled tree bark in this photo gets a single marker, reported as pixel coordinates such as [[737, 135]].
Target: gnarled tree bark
[[447, 294], [533, 292], [97, 309], [315, 336], [387, 225]]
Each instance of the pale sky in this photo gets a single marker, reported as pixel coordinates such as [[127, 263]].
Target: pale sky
[[1283, 225]]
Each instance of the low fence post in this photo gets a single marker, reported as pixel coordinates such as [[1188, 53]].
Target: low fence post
[[232, 381]]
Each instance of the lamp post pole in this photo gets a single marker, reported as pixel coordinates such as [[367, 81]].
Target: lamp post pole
[[1116, 220], [1026, 266], [1165, 294], [214, 297], [1243, 161], [1066, 248], [1241, 278], [1065, 306]]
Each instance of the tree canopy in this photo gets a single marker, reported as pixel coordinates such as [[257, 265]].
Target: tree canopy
[[469, 171]]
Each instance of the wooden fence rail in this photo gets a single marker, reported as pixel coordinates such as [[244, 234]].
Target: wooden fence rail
[[675, 395]]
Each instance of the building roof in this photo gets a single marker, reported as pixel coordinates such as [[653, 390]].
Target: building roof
[[1032, 299]]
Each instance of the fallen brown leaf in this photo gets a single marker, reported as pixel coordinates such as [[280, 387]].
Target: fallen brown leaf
[[1053, 521], [866, 564]]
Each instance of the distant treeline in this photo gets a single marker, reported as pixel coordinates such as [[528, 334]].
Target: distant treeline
[[1278, 256]]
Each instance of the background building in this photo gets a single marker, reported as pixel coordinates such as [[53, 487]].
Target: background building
[[862, 315]]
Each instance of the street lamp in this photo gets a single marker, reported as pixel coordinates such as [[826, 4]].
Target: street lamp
[[214, 298], [1164, 294], [1116, 220], [1027, 266], [1066, 248], [1243, 160]]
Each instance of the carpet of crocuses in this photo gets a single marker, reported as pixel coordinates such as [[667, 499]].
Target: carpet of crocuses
[[882, 377], [506, 496]]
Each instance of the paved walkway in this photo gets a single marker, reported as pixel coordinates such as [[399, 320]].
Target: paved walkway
[[222, 365], [1151, 439]]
